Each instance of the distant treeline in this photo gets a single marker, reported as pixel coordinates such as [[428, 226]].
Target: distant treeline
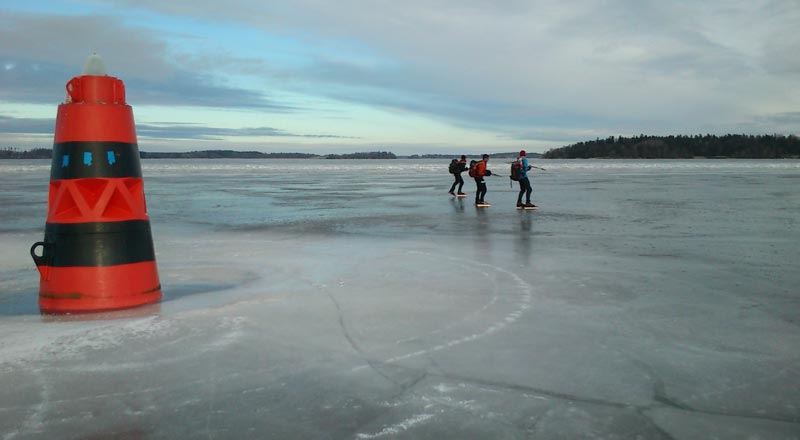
[[512, 155], [370, 155], [737, 146], [431, 156], [224, 154], [46, 153], [230, 154], [16, 153]]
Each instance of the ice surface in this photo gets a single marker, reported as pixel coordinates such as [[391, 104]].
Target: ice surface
[[357, 300]]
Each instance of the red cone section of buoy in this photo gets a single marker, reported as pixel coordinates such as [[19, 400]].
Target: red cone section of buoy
[[97, 252]]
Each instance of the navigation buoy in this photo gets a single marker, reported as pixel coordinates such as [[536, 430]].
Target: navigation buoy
[[97, 252]]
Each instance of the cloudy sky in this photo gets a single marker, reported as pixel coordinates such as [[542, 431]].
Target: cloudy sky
[[407, 76]]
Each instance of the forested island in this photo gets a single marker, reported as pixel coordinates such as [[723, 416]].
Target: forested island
[[734, 146], [370, 155]]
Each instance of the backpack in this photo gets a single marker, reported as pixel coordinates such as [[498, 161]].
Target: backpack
[[453, 166], [472, 170], [515, 167]]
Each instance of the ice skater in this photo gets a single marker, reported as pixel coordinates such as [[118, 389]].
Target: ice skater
[[458, 167], [524, 183], [478, 172]]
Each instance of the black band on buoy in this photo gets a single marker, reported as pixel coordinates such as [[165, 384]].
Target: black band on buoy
[[98, 244], [81, 160]]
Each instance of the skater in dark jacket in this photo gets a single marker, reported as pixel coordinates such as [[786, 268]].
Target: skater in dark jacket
[[461, 166]]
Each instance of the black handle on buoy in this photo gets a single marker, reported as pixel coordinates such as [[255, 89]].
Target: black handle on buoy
[[39, 260]]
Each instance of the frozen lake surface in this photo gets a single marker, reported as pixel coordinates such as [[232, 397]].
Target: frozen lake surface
[[322, 299]]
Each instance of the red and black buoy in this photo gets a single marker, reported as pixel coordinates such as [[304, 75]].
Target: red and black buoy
[[97, 252]]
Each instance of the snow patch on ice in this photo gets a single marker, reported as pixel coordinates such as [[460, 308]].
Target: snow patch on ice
[[71, 339], [397, 428]]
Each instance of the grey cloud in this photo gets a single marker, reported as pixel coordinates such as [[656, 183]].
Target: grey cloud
[[195, 131], [782, 42], [785, 123], [37, 82], [397, 87], [775, 50], [188, 89], [792, 118], [668, 39], [46, 126], [43, 83], [35, 69], [27, 125], [494, 69], [67, 40]]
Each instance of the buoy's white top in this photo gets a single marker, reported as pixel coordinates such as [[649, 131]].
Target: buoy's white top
[[94, 66]]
